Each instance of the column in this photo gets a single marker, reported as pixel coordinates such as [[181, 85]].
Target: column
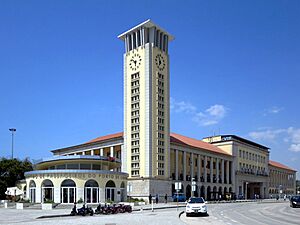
[[101, 151], [111, 151], [38, 194], [227, 171], [56, 194], [92, 152], [83, 152], [176, 164], [205, 169], [80, 194], [102, 194], [211, 169], [222, 169], [199, 167], [123, 159], [217, 168], [192, 165], [184, 165], [232, 174]]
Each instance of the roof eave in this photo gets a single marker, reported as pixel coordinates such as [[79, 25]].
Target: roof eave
[[148, 23]]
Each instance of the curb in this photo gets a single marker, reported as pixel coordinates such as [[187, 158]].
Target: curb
[[180, 214], [163, 207]]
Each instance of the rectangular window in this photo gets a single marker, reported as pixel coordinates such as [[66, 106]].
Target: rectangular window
[[73, 166], [61, 167], [85, 166]]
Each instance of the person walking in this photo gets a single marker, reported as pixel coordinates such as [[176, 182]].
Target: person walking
[[156, 198], [166, 198], [150, 199]]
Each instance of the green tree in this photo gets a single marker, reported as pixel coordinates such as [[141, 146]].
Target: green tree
[[12, 170]]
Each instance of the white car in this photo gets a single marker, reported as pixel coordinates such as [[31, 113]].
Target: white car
[[195, 206]]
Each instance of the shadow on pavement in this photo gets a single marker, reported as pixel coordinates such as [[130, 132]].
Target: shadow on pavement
[[198, 215]]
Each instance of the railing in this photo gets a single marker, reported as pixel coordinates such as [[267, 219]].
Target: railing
[[251, 172]]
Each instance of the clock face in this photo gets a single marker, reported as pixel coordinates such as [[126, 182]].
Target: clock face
[[160, 62], [135, 62]]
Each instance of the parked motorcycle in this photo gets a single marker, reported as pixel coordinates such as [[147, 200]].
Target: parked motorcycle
[[83, 211], [127, 208], [74, 210]]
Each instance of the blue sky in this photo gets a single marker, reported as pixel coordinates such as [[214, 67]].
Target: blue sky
[[235, 69]]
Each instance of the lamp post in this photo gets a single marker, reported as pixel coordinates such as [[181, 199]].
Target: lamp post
[[12, 130]]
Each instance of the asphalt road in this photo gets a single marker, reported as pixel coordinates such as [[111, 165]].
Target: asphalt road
[[257, 213]]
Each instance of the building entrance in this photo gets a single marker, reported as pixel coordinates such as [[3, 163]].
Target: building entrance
[[253, 190], [68, 191]]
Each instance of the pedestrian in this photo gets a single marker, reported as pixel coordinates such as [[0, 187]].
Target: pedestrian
[[150, 199], [166, 198], [156, 198], [284, 197]]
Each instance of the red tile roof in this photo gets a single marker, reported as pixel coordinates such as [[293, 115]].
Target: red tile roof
[[107, 137], [183, 140], [174, 138], [279, 165]]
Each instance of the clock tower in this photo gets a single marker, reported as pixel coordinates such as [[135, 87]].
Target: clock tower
[[146, 152]]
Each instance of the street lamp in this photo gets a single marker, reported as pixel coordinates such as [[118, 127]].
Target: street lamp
[[12, 130]]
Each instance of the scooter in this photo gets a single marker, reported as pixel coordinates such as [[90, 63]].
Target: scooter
[[74, 210], [127, 208], [83, 211]]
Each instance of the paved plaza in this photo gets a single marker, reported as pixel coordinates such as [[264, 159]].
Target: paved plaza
[[29, 216], [263, 212]]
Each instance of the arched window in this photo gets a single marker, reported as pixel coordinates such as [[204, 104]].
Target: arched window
[[110, 188], [188, 191], [32, 189], [225, 193], [47, 190], [208, 193], [202, 192], [68, 191], [220, 193], [215, 193], [91, 191]]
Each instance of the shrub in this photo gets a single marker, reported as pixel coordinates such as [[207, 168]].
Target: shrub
[[48, 201]]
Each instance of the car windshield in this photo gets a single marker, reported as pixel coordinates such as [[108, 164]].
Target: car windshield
[[296, 198], [196, 200]]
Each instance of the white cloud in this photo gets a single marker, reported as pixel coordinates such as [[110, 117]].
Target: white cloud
[[295, 147], [182, 106], [288, 135], [217, 111], [210, 116], [266, 135], [273, 110]]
